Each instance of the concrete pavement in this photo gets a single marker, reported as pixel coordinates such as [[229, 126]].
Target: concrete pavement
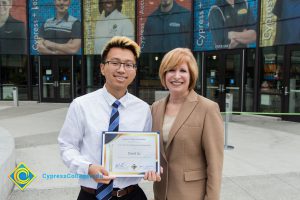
[[264, 164]]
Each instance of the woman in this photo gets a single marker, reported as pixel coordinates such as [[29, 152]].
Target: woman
[[192, 133]]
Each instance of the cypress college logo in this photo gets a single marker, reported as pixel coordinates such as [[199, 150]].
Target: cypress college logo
[[22, 176]]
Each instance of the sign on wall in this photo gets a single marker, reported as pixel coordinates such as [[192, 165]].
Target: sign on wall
[[280, 22], [13, 27], [224, 24], [164, 25], [55, 27], [105, 19]]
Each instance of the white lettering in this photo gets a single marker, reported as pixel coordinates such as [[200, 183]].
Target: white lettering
[[35, 23], [268, 31], [201, 27], [141, 23]]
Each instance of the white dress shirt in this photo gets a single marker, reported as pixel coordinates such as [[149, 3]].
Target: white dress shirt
[[115, 24], [80, 138]]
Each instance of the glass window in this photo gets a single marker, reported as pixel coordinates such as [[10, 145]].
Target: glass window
[[77, 76], [271, 79], [294, 72], [35, 78], [13, 74], [198, 57], [249, 81], [94, 79], [149, 84]]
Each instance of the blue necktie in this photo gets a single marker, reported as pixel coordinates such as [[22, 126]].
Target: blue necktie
[[104, 191]]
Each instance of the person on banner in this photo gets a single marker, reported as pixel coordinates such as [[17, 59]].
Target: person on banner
[[168, 27], [288, 20], [60, 35], [191, 133], [232, 24], [80, 138], [12, 31], [112, 23]]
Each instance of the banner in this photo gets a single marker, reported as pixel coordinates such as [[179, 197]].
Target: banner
[[164, 25], [220, 24], [55, 27], [13, 22], [279, 22], [104, 19]]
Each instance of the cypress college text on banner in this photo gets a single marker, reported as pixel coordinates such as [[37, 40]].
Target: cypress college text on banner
[[55, 27], [223, 24]]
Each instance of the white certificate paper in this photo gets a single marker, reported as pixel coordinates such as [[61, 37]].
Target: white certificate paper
[[130, 154]]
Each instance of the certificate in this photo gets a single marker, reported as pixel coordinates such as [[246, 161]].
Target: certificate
[[130, 154]]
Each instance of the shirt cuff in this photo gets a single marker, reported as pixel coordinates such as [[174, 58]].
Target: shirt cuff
[[84, 168]]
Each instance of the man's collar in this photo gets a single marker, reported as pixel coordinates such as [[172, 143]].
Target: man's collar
[[65, 18], [111, 99], [111, 15]]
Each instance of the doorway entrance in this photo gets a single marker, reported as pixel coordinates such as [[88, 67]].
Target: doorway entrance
[[56, 78], [222, 73], [292, 87], [280, 82]]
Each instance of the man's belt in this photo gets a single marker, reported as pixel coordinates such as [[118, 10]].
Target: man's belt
[[117, 192]]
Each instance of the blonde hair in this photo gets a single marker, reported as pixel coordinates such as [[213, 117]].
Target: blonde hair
[[175, 57], [123, 43]]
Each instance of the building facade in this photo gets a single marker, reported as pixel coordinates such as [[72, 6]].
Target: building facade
[[247, 50]]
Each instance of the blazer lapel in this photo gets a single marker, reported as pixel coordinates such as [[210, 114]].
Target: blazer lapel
[[184, 112], [160, 118]]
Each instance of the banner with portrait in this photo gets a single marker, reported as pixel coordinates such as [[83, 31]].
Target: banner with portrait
[[55, 27], [105, 19], [224, 24], [13, 22], [279, 22], [164, 25]]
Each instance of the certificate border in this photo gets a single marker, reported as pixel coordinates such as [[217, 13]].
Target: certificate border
[[142, 133]]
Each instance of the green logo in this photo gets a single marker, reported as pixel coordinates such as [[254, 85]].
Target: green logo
[[21, 176]]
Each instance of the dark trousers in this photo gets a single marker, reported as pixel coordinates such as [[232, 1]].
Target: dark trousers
[[137, 194]]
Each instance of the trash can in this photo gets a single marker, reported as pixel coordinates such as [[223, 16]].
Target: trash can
[[15, 96]]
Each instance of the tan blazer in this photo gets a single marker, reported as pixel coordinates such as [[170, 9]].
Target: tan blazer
[[192, 159]]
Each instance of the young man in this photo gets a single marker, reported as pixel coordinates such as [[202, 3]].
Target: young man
[[60, 34], [168, 27], [112, 23], [12, 31], [80, 138]]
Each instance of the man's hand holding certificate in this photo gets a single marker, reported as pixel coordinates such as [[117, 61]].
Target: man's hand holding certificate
[[131, 154]]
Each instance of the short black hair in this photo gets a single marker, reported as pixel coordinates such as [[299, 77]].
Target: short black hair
[[118, 5]]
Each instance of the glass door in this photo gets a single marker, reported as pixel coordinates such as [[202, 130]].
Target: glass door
[[64, 79], [47, 78], [214, 80], [272, 72], [223, 78], [56, 79], [233, 80], [292, 88]]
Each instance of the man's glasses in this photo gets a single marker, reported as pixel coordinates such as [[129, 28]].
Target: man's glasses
[[117, 64]]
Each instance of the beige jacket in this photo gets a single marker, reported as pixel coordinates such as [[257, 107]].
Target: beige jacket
[[192, 160]]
